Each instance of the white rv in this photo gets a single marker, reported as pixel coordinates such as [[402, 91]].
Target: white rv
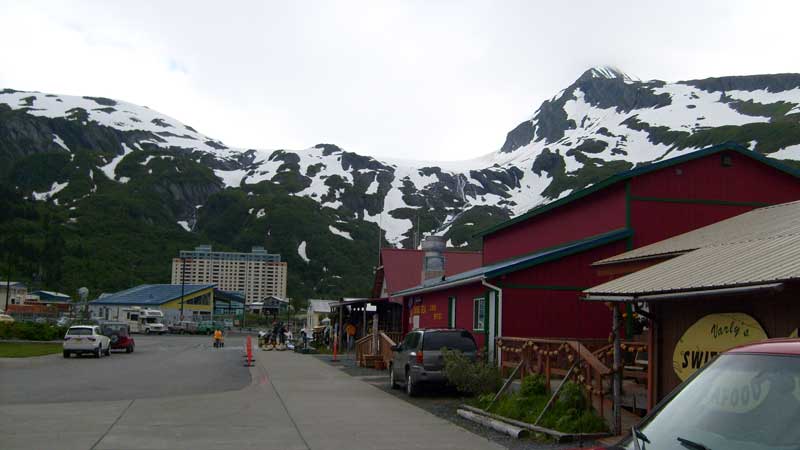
[[144, 320]]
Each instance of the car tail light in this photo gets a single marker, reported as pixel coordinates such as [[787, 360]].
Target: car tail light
[[419, 357], [91, 339]]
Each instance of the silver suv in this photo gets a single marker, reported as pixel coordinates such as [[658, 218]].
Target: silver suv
[[418, 359]]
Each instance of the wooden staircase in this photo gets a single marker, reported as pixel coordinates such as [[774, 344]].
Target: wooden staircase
[[376, 351]]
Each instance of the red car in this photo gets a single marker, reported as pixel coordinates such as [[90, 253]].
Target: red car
[[119, 333], [747, 398]]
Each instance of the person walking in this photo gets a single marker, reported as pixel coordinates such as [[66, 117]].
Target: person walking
[[350, 330], [218, 338]]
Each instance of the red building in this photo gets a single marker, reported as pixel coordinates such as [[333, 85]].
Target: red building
[[535, 266]]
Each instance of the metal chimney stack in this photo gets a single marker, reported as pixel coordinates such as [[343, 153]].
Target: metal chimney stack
[[433, 262]]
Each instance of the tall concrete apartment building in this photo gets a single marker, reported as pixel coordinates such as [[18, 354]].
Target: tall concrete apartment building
[[257, 274]]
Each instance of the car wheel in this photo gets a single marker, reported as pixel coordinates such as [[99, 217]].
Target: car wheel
[[392, 382], [97, 352], [147, 331], [66, 354], [108, 351], [411, 388]]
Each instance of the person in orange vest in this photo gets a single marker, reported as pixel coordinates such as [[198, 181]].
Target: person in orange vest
[[218, 338], [350, 330]]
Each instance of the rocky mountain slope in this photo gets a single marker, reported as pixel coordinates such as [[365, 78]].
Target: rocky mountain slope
[[122, 187]]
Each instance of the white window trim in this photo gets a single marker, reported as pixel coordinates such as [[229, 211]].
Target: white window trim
[[481, 312]]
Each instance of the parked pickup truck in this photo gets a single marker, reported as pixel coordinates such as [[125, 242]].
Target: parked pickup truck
[[183, 327]]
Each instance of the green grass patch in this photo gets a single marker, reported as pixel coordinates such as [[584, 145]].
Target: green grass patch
[[27, 349], [570, 413]]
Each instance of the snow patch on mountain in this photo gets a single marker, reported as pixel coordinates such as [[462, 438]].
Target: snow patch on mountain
[[301, 250], [110, 168], [339, 232], [54, 189], [60, 142]]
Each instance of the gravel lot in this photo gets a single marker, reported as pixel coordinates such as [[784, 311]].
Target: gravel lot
[[441, 404]]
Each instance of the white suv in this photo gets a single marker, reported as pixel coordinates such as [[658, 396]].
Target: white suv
[[86, 339]]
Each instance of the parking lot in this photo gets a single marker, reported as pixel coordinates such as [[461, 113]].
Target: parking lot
[[160, 366]]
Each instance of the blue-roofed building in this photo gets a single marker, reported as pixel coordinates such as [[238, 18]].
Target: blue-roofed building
[[50, 297], [197, 300]]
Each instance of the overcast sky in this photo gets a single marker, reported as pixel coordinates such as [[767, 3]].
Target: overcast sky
[[433, 80]]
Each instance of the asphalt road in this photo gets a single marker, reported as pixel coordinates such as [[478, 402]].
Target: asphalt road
[[160, 366], [289, 401]]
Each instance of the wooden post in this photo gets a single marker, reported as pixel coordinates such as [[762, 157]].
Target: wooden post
[[364, 320], [617, 374], [547, 369], [651, 365]]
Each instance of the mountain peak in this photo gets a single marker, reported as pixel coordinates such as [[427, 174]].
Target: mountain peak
[[607, 72]]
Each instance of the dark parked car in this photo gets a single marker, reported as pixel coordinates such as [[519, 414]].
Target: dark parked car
[[119, 333], [748, 398], [418, 359]]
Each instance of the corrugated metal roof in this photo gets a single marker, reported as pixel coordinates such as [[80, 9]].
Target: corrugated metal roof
[[150, 294], [320, 306], [762, 223], [519, 263], [744, 263]]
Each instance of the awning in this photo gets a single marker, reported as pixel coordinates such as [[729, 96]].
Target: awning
[[759, 262]]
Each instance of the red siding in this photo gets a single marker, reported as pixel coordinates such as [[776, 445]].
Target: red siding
[[553, 314], [656, 221], [402, 268], [439, 316], [557, 313], [595, 214], [747, 180]]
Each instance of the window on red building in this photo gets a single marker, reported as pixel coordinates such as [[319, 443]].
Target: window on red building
[[478, 313]]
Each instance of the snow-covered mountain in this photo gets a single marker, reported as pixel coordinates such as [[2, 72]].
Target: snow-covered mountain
[[66, 150]]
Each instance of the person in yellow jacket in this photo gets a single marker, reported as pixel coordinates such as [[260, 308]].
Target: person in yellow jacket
[[218, 338]]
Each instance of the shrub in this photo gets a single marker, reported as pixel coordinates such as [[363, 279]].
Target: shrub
[[31, 331], [533, 385], [572, 396], [473, 378]]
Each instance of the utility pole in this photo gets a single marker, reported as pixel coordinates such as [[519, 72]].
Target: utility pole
[[8, 273], [183, 281]]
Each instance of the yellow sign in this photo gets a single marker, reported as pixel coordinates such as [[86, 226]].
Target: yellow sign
[[713, 334]]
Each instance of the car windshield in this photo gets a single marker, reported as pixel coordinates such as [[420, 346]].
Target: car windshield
[[741, 401], [454, 340], [117, 329], [79, 331], [151, 320]]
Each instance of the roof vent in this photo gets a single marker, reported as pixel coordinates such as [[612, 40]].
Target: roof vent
[[433, 262]]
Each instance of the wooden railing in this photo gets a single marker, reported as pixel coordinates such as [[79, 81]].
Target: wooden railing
[[369, 349], [593, 361], [386, 344]]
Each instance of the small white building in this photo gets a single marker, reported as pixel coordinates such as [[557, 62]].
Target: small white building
[[316, 309], [15, 292]]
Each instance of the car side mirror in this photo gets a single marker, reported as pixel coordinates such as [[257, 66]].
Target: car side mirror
[[397, 347]]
